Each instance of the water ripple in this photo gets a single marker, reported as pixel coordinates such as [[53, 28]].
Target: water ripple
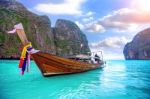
[[118, 80]]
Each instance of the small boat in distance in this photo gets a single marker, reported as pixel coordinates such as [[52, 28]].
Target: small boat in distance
[[50, 64]]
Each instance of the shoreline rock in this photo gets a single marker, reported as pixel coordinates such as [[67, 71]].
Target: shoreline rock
[[139, 47]]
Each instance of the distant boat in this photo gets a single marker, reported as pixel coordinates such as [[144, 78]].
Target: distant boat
[[50, 64]]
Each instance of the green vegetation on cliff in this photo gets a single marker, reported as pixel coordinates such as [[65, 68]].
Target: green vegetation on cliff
[[59, 40]]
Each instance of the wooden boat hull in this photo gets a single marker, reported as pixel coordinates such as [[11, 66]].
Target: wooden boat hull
[[53, 65], [50, 64]]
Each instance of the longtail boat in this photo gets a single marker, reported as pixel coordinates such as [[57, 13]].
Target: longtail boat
[[50, 64]]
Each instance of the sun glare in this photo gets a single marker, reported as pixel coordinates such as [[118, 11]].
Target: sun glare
[[143, 5]]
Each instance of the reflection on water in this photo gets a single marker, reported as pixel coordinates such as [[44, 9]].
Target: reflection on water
[[118, 80]]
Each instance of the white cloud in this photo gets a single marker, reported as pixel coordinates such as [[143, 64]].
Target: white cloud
[[81, 26], [94, 28], [86, 14], [111, 47], [87, 19], [123, 20], [67, 7], [111, 42], [90, 13], [89, 27]]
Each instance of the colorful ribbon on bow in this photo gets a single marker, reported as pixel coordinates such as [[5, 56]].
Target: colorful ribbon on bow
[[25, 58]]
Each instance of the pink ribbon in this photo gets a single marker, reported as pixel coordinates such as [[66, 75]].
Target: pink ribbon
[[11, 32]]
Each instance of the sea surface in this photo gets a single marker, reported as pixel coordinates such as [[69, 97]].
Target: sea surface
[[119, 79]]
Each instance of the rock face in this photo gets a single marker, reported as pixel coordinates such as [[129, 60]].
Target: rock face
[[38, 30], [69, 39], [139, 47]]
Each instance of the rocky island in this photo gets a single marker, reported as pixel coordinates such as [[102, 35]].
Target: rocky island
[[64, 39], [139, 47]]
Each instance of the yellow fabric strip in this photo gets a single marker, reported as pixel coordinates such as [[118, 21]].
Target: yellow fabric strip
[[23, 54]]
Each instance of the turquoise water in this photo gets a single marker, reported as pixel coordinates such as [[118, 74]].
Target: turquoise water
[[118, 80]]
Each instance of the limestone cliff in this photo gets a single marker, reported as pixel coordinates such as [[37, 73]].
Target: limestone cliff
[[69, 39], [139, 47], [38, 30]]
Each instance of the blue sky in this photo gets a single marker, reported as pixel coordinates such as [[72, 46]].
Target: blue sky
[[108, 24]]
